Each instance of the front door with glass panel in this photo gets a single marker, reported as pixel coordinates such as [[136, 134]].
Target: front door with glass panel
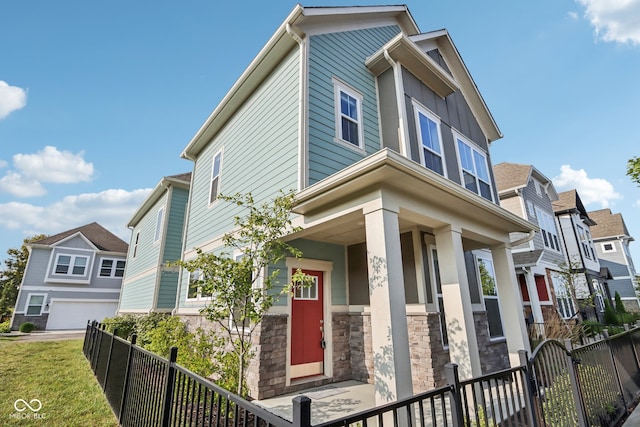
[[307, 329]]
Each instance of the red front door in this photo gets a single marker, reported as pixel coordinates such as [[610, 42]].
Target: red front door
[[307, 329]]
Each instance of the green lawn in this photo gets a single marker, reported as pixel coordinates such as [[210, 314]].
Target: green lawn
[[58, 375]]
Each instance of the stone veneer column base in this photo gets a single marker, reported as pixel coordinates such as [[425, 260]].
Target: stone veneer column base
[[39, 321]]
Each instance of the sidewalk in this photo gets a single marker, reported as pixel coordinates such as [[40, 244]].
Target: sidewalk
[[47, 335], [634, 418]]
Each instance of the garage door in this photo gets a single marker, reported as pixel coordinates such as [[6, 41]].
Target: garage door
[[75, 314]]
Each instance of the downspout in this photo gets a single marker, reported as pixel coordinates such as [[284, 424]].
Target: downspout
[[163, 240], [403, 130], [303, 147], [529, 237], [185, 228]]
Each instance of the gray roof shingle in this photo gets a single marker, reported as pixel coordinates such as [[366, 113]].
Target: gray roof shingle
[[102, 238]]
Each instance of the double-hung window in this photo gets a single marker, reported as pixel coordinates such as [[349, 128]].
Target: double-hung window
[[135, 244], [430, 139], [348, 105], [487, 276], [196, 286], [71, 265], [35, 304], [112, 268], [473, 168], [159, 223], [548, 230], [216, 167], [566, 306]]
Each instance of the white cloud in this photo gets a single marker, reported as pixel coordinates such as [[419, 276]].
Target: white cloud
[[573, 15], [591, 190], [47, 165], [11, 98], [17, 185], [51, 165], [614, 20], [3, 164], [110, 208]]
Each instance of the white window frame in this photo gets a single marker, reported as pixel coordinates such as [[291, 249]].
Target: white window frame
[[215, 177], [563, 295], [551, 239], [605, 250], [72, 265], [159, 225], [341, 87], [487, 259], [135, 244], [531, 209], [418, 110], [434, 265], [192, 276], [42, 307], [113, 269], [458, 137]]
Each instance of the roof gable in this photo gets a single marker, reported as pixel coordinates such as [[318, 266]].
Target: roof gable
[[608, 224], [514, 176], [101, 238], [182, 180], [569, 201]]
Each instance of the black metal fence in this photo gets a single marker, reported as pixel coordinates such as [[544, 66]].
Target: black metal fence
[[593, 385]]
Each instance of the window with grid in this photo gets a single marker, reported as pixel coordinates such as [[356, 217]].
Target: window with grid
[[348, 115], [474, 169]]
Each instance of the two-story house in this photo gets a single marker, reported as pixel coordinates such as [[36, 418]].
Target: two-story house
[[71, 278], [384, 136], [575, 232], [612, 239], [150, 281], [528, 193]]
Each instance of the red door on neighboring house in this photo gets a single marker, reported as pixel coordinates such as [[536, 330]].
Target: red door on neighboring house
[[307, 329]]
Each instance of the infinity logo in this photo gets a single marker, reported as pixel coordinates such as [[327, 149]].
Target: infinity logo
[[25, 405]]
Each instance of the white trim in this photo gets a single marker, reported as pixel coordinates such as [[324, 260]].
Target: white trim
[[84, 300], [71, 266], [136, 242], [65, 289], [218, 176], [488, 258], [113, 268], [419, 109], [608, 251], [160, 220], [133, 311], [457, 136], [73, 236], [326, 267], [42, 307], [340, 86]]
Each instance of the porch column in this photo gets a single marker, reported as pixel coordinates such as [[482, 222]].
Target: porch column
[[510, 303], [463, 343], [389, 334], [534, 299]]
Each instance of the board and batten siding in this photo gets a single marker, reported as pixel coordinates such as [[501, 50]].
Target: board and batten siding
[[259, 154], [341, 56]]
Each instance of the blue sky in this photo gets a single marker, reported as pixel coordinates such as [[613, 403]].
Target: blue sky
[[98, 99]]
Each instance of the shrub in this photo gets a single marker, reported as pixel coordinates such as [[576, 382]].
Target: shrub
[[5, 327], [27, 327]]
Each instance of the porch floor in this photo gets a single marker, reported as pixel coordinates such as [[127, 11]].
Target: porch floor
[[328, 402]]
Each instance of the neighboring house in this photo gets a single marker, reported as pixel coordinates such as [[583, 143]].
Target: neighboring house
[[150, 285], [575, 230], [384, 136], [612, 239], [526, 192], [71, 278]]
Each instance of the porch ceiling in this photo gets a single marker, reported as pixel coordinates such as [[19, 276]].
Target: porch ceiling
[[333, 209]]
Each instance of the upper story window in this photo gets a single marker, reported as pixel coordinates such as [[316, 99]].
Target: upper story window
[[215, 177], [548, 230], [473, 168], [586, 243], [430, 139], [531, 209], [348, 105], [71, 265], [135, 244], [112, 268], [159, 222], [608, 247]]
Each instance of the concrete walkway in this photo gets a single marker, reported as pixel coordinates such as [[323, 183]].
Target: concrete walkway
[[47, 335], [634, 418]]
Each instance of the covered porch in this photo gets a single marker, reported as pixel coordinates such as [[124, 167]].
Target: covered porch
[[413, 231]]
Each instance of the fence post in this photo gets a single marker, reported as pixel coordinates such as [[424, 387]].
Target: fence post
[[574, 379], [301, 411], [530, 389], [168, 387], [453, 380], [605, 332], [127, 373], [96, 348], [106, 370]]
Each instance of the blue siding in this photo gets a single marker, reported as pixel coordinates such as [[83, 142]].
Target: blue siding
[[138, 294], [168, 290], [148, 252], [351, 48], [175, 226], [260, 153]]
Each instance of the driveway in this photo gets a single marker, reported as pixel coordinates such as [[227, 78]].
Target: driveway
[[48, 335]]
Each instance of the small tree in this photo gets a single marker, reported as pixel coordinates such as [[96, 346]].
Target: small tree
[[633, 169], [570, 272], [11, 276], [240, 286]]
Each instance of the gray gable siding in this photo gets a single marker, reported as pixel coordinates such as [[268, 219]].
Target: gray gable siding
[[175, 226], [617, 268], [259, 154], [623, 286], [76, 242], [341, 56]]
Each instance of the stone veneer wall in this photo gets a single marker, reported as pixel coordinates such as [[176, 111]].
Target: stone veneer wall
[[39, 321], [494, 355]]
